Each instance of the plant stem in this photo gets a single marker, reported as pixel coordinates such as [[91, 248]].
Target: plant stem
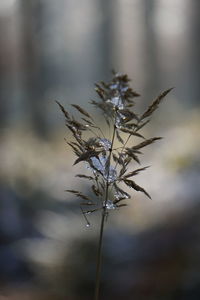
[[99, 255], [104, 213]]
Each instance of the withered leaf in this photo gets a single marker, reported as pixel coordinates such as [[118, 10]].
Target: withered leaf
[[142, 125], [85, 156], [72, 191], [76, 151], [136, 187], [119, 137], [122, 171], [128, 115], [145, 143], [90, 211], [87, 203], [96, 191], [84, 176], [78, 125], [88, 122], [120, 205], [121, 194], [78, 194], [81, 110], [115, 158], [131, 132], [131, 153], [63, 110], [135, 172], [155, 104], [100, 91]]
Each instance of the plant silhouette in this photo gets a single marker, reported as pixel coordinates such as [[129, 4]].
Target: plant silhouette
[[110, 166]]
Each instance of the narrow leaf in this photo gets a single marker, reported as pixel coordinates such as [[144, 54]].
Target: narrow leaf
[[135, 172], [155, 104], [84, 176], [85, 156], [81, 110], [78, 194], [63, 110], [142, 125], [136, 187], [120, 205], [88, 121], [96, 190], [87, 203], [119, 137], [145, 143], [131, 132], [72, 191]]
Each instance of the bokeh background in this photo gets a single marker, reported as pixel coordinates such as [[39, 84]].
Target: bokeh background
[[56, 50]]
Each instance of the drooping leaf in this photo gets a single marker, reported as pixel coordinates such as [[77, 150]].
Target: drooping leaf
[[122, 171], [76, 151], [115, 158], [120, 194], [119, 137], [136, 187], [96, 190]]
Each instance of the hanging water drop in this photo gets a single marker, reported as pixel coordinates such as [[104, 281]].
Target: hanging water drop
[[110, 204]]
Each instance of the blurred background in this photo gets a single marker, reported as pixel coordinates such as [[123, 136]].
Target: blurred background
[[56, 50]]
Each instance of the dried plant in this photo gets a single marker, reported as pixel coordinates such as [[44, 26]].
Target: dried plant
[[109, 165]]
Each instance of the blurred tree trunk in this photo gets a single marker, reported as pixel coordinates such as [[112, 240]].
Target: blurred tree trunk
[[152, 66], [194, 55], [35, 67], [106, 38]]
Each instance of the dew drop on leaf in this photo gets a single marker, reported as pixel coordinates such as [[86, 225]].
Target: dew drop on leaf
[[105, 143], [110, 205]]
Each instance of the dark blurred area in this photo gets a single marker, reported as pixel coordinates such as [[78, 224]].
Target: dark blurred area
[[56, 50]]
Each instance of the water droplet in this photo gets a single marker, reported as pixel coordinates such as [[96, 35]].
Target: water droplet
[[87, 212], [124, 89], [110, 205], [112, 174], [97, 163], [117, 102], [114, 86], [105, 143], [119, 195], [100, 164]]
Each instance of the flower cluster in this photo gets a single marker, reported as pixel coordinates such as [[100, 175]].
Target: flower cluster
[[109, 165]]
